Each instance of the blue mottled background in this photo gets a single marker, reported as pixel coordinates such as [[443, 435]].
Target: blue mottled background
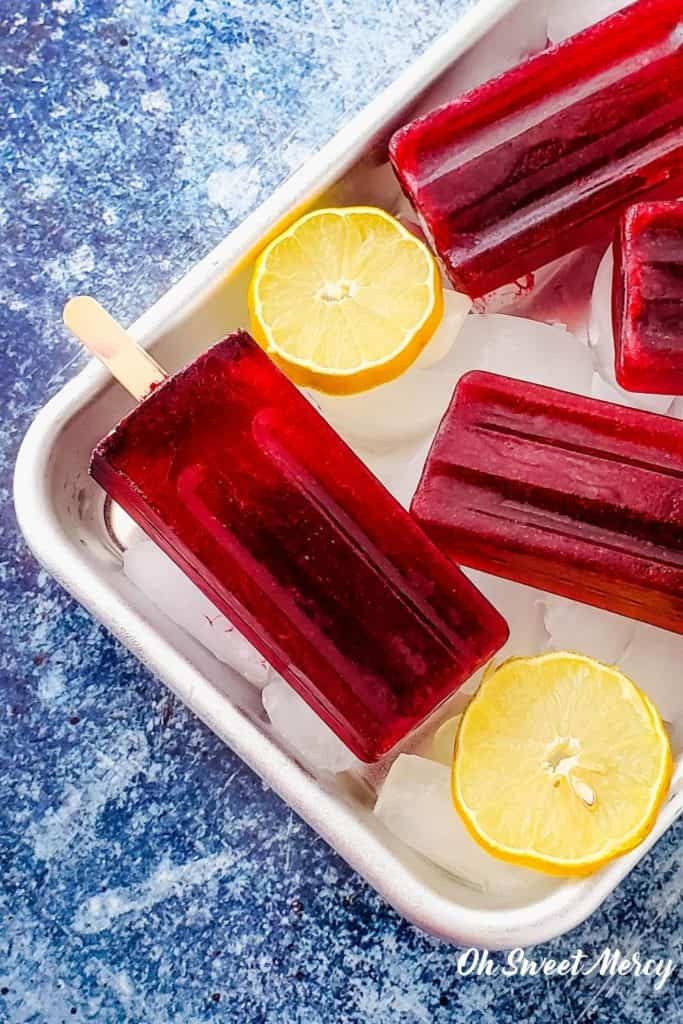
[[146, 875]]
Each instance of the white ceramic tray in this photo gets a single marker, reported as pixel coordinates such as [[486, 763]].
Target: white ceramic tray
[[61, 513]]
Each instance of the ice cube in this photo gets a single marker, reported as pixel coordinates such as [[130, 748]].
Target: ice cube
[[420, 741], [600, 334], [443, 742], [398, 468], [520, 34], [577, 627], [404, 477], [676, 409], [520, 297], [601, 342], [387, 416], [410, 407], [304, 732], [567, 17], [522, 608], [526, 349], [675, 733], [415, 805], [455, 309], [166, 586], [605, 392], [654, 661], [403, 210], [558, 293]]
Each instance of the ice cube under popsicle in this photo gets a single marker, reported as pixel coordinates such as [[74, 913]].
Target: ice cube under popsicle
[[544, 158], [239, 479], [573, 495]]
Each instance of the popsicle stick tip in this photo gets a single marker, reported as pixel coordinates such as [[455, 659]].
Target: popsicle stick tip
[[110, 342], [89, 321], [77, 306]]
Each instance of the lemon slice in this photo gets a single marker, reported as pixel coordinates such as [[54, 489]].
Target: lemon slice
[[345, 299], [561, 764]]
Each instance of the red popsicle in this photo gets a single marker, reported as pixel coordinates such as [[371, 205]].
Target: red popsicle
[[647, 297], [238, 478], [544, 158], [579, 497]]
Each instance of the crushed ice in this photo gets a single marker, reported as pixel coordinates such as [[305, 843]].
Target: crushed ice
[[304, 732], [167, 587], [415, 805]]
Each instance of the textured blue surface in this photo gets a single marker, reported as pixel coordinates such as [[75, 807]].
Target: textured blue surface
[[146, 875]]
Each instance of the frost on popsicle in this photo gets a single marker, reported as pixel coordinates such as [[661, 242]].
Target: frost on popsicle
[[415, 805]]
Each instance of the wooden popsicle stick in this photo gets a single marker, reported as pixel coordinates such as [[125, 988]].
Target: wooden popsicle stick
[[123, 357]]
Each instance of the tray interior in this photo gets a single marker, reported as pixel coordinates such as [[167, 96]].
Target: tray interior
[[210, 303]]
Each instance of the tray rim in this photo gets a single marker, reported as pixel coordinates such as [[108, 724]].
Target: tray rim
[[572, 902]]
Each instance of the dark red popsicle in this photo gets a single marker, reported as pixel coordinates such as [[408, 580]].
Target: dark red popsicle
[[647, 298], [579, 497], [544, 158], [238, 478]]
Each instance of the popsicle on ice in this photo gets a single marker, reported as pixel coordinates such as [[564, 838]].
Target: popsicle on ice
[[238, 478], [573, 495], [647, 298], [544, 158]]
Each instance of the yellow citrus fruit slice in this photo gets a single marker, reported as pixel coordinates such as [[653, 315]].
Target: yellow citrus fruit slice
[[345, 299], [561, 764]]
